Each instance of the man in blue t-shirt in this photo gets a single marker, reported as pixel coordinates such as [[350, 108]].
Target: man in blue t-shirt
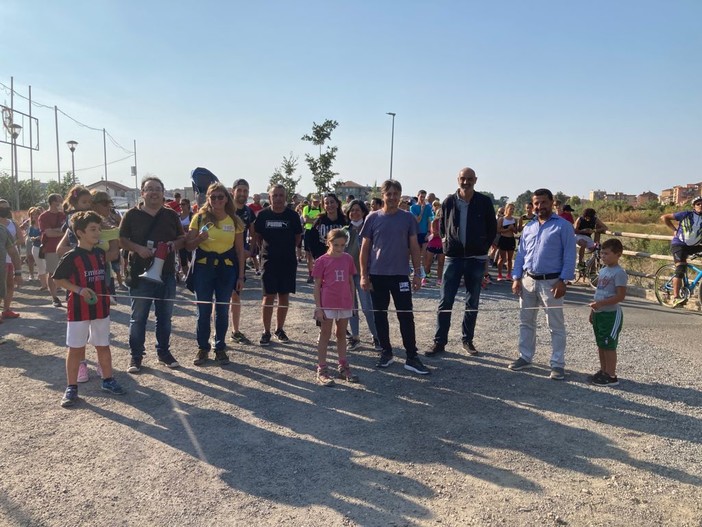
[[686, 241], [423, 212]]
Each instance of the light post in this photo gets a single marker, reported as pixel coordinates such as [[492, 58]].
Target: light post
[[392, 140], [72, 147], [14, 133]]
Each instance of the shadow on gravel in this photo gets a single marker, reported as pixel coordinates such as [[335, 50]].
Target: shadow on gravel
[[15, 512], [285, 439]]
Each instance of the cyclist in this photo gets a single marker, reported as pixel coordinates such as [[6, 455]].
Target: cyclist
[[686, 241], [585, 226]]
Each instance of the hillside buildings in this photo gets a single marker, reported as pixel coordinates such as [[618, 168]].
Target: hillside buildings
[[680, 194]]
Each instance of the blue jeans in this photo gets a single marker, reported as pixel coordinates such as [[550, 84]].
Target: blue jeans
[[366, 306], [220, 281], [472, 271], [165, 294]]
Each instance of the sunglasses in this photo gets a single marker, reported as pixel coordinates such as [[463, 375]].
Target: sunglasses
[[217, 197]]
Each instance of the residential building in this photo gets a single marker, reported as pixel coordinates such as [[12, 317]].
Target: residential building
[[598, 195], [645, 197], [630, 199], [121, 195], [683, 194], [351, 188], [603, 195], [666, 196]]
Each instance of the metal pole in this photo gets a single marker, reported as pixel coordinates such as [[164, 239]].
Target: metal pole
[[104, 151], [392, 141], [17, 195], [13, 150], [58, 151], [73, 166], [136, 177], [31, 147]]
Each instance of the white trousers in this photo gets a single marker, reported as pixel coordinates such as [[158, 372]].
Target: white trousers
[[536, 293]]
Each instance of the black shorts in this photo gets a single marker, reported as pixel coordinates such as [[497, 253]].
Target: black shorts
[[278, 277], [421, 238], [681, 252], [506, 243], [309, 240]]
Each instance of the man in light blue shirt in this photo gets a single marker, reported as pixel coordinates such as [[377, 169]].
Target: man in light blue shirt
[[545, 262]]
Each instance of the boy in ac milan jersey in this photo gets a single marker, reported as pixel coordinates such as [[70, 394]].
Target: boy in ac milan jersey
[[81, 272]]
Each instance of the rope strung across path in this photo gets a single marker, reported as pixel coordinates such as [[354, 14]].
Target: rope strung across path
[[276, 306]]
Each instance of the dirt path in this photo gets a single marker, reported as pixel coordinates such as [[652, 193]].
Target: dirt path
[[259, 443]]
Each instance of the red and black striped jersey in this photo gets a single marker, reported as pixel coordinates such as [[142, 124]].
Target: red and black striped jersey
[[85, 269]]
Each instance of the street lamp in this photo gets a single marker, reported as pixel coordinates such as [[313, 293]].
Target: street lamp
[[14, 134], [72, 147], [392, 140]]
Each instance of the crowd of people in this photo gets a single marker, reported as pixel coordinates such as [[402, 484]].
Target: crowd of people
[[358, 255]]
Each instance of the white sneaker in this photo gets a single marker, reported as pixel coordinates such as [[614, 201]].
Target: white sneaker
[[83, 375]]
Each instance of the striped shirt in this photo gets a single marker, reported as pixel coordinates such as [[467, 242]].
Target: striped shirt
[[85, 269]]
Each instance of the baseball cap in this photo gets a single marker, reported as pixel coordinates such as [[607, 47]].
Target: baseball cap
[[568, 208]]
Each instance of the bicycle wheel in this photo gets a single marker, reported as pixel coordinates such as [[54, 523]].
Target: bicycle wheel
[[663, 286], [592, 271]]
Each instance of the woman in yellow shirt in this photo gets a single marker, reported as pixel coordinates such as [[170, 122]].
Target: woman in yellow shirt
[[218, 267]]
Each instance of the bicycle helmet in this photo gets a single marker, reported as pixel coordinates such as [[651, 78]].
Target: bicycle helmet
[[696, 200]]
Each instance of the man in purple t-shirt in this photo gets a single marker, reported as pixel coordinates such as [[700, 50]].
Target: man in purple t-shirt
[[389, 238]]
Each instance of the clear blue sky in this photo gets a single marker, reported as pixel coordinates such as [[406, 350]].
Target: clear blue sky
[[569, 95]]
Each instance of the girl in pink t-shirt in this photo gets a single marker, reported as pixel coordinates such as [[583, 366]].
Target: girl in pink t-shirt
[[333, 296]]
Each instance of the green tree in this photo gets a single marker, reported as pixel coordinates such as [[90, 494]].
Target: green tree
[[321, 167], [284, 175], [374, 191], [560, 196], [7, 186], [575, 201], [30, 193], [489, 195], [55, 187], [522, 199]]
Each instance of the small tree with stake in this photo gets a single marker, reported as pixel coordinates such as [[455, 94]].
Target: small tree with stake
[[283, 175], [320, 167]]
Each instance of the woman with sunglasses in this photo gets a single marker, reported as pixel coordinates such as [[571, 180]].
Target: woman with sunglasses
[[217, 234]]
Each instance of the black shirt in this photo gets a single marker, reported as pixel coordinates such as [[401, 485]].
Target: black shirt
[[279, 232]]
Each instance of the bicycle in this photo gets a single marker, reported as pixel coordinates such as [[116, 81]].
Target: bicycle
[[663, 284], [589, 271]]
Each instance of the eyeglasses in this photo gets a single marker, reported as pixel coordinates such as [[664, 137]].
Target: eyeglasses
[[152, 189], [217, 197]]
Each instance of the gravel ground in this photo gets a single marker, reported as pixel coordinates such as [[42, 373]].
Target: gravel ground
[[259, 443]]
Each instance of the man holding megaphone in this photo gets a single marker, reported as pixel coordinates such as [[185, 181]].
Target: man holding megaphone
[[143, 228]]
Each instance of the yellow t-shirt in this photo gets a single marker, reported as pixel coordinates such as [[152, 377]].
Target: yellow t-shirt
[[106, 236], [222, 234]]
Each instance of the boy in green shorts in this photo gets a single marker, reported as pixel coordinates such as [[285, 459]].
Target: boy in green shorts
[[606, 315]]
